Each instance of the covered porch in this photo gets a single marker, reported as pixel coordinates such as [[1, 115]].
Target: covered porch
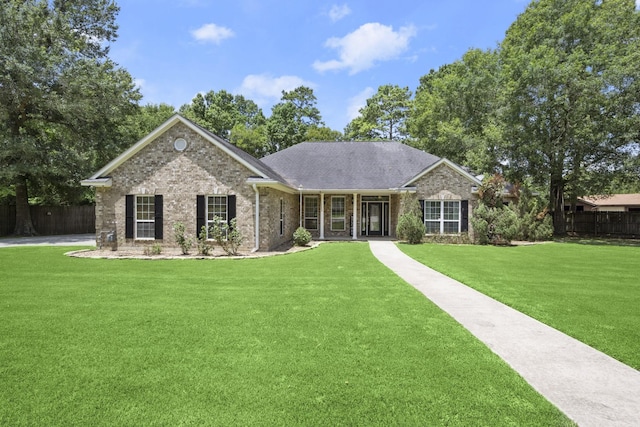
[[332, 215]]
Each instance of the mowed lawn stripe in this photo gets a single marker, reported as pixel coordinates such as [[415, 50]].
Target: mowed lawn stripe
[[323, 337], [590, 292]]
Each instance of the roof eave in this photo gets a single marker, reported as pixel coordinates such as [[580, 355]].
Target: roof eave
[[270, 183], [97, 182], [365, 191]]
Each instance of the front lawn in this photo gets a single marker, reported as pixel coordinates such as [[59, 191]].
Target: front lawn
[[591, 293], [323, 337]]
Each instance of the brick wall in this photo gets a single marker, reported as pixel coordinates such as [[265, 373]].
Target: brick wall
[[159, 169], [444, 183]]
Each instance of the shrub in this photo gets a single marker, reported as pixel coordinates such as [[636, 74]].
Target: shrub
[[410, 228], [155, 249], [182, 240], [229, 237], [204, 247], [496, 226], [301, 237], [524, 219], [410, 225], [535, 223]]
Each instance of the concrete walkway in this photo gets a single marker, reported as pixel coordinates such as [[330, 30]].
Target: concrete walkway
[[590, 387]]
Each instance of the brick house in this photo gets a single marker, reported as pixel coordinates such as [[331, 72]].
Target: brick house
[[181, 172]]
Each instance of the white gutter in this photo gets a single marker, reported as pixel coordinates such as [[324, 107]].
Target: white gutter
[[96, 182], [257, 226]]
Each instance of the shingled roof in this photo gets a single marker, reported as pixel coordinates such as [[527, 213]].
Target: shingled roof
[[613, 200], [349, 165]]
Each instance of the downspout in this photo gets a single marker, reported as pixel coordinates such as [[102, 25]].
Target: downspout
[[257, 226]]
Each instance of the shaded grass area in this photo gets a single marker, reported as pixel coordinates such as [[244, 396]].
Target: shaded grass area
[[322, 337], [590, 292]]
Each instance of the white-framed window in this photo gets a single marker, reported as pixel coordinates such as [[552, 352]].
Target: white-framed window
[[338, 222], [442, 216], [282, 217], [311, 212], [145, 217], [216, 207]]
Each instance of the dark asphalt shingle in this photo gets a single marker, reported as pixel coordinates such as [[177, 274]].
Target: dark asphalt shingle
[[349, 165]]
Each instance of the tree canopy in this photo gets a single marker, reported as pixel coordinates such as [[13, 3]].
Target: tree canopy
[[454, 113], [60, 94], [291, 118], [221, 111], [384, 117], [571, 82]]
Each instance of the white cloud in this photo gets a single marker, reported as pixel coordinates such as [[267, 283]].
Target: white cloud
[[140, 83], [212, 33], [338, 12], [361, 49], [359, 101], [264, 88], [637, 4]]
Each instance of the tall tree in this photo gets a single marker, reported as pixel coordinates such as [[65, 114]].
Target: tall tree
[[323, 133], [252, 139], [60, 95], [571, 79], [455, 108], [232, 117], [384, 116], [291, 118], [137, 125], [220, 111]]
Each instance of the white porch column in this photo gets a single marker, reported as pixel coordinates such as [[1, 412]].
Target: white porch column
[[355, 216], [321, 216], [257, 227]]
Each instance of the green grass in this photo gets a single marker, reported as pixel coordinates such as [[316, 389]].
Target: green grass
[[589, 292], [323, 337]]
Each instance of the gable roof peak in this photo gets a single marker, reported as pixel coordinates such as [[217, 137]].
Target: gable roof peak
[[244, 158]]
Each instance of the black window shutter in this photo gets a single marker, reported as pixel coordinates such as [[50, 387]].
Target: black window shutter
[[128, 223], [464, 216], [201, 214], [422, 208], [158, 217], [231, 208]]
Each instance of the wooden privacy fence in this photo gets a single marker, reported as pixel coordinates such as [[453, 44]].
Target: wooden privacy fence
[[51, 220], [615, 224]]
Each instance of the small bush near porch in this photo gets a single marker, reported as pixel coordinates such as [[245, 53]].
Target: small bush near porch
[[323, 337], [590, 292]]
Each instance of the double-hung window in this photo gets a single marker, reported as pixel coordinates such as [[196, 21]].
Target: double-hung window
[[145, 217], [338, 213], [442, 216], [216, 211], [311, 212]]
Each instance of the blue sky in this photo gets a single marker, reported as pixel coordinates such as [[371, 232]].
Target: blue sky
[[343, 50]]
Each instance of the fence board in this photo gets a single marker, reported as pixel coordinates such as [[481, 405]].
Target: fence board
[[52, 220], [617, 224]]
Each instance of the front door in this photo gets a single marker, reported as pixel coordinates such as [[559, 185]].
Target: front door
[[374, 219]]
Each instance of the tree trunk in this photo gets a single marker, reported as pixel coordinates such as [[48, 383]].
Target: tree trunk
[[556, 199], [24, 225]]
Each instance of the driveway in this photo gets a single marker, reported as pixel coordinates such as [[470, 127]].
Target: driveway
[[63, 240]]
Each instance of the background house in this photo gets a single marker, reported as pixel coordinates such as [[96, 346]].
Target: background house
[[609, 203]]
